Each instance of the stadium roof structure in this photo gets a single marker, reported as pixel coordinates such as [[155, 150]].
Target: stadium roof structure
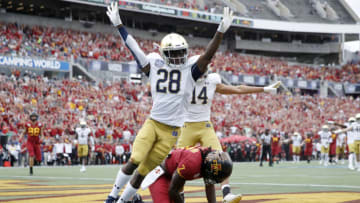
[[264, 20]]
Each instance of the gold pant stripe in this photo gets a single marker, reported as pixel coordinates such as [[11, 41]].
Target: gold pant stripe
[[203, 133], [152, 144]]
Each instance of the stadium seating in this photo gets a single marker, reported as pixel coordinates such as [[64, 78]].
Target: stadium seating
[[64, 43], [116, 111]]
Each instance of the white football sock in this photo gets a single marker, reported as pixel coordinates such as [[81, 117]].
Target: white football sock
[[128, 193], [294, 158], [351, 159], [121, 180], [326, 158], [298, 158]]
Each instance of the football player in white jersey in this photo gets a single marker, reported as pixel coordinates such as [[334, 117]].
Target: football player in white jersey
[[350, 138], [296, 147], [83, 135], [340, 148], [198, 127], [354, 130], [172, 77], [350, 141], [325, 139]]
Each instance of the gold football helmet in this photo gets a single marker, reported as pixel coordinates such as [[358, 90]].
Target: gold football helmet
[[357, 117], [325, 127], [174, 50]]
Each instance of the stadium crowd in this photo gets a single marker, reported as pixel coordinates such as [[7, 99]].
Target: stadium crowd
[[63, 44], [115, 111]]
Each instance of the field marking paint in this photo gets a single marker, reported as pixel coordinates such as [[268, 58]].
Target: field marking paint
[[193, 182], [57, 178], [293, 185]]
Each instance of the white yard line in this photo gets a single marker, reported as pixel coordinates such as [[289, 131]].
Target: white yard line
[[194, 182], [292, 185]]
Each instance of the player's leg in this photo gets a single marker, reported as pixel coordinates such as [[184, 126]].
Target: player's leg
[[263, 155], [326, 158], [294, 154], [31, 151], [271, 161], [190, 135], [142, 145], [3, 142], [322, 154], [357, 154], [298, 154], [38, 156], [166, 138], [351, 156], [159, 190], [209, 139], [342, 155]]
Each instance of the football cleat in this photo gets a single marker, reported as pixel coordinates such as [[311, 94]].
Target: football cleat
[[82, 169], [111, 199], [351, 168], [231, 198], [137, 198]]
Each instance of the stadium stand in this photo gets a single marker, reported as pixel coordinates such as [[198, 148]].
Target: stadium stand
[[115, 111], [63, 44]]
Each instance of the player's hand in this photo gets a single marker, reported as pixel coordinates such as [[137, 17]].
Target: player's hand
[[273, 87], [113, 13], [226, 21], [330, 122]]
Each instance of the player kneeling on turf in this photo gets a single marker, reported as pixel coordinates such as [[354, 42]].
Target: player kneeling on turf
[[167, 181]]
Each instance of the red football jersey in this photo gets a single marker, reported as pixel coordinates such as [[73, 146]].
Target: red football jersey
[[33, 131], [186, 161], [275, 140], [308, 144]]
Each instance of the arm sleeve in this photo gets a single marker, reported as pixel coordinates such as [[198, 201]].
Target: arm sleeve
[[189, 168], [215, 78], [195, 72], [134, 48]]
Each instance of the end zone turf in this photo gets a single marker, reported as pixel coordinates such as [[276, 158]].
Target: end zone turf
[[286, 182]]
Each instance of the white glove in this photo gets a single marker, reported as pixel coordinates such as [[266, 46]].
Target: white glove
[[226, 21], [330, 122], [113, 13], [338, 131], [273, 87]]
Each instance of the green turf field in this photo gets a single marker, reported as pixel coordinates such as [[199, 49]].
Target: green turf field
[[286, 182]]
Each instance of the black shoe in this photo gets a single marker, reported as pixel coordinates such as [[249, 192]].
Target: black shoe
[[111, 199], [137, 198], [308, 161], [31, 171]]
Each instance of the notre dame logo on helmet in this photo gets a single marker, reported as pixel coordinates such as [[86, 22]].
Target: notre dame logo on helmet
[[217, 167]]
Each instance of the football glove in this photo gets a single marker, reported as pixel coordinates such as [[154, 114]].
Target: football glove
[[273, 87], [113, 14], [226, 21], [330, 122]]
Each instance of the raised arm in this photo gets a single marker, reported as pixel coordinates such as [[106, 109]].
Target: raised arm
[[131, 44], [214, 44], [337, 124], [176, 185], [210, 193], [244, 89], [343, 130]]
